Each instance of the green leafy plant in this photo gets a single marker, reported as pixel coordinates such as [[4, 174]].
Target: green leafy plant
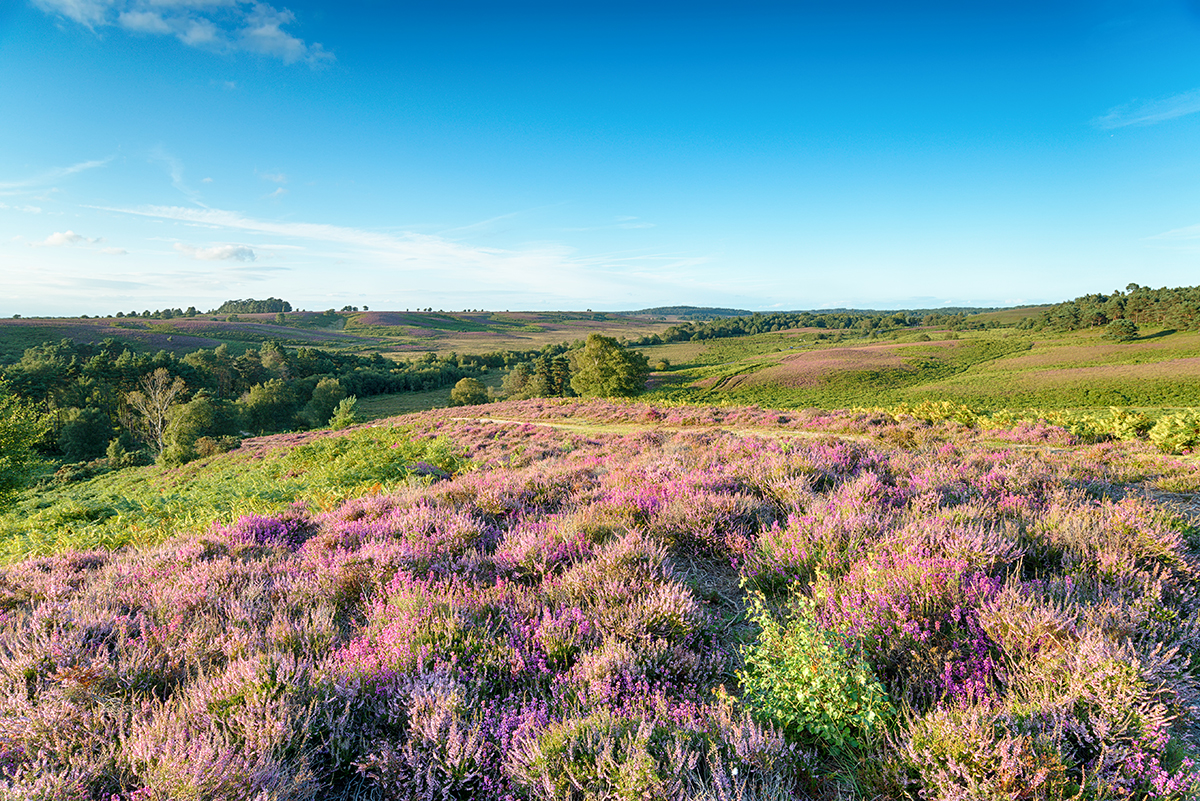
[[20, 428], [1175, 432], [809, 683]]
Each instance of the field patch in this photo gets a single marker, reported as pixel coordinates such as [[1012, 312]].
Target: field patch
[[817, 367]]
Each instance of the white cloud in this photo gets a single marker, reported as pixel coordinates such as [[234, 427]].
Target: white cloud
[[280, 192], [62, 239], [1149, 112], [274, 177], [143, 22], [86, 12], [114, 251], [221, 25], [26, 209], [429, 262], [263, 34], [218, 252]]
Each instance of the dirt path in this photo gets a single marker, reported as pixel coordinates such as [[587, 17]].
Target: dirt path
[[635, 428]]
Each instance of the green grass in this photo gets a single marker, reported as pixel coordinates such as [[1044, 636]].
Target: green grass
[[378, 407], [149, 504], [994, 369]]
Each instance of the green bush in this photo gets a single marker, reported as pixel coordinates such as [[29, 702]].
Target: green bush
[[806, 681], [20, 427], [1121, 330], [468, 392], [346, 414]]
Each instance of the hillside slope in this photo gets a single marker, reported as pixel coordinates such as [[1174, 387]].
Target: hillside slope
[[551, 599]]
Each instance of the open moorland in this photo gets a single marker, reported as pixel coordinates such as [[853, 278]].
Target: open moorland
[[997, 368], [832, 555], [570, 599], [401, 333]]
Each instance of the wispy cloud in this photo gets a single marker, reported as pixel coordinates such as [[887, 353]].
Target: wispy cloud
[[26, 209], [175, 170], [1149, 112], [624, 222], [413, 253], [273, 177], [218, 252], [416, 264], [114, 251], [219, 25], [482, 225], [49, 177], [63, 239]]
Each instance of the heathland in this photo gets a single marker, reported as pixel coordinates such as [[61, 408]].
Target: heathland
[[553, 599], [827, 555]]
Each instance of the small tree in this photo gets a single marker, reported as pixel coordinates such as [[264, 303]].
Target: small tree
[[326, 396], [1121, 330], [468, 392], [20, 427], [605, 369], [270, 406], [152, 402], [187, 423], [84, 433], [346, 414]]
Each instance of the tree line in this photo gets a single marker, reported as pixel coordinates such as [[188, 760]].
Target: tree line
[[103, 400], [1177, 307], [144, 405], [833, 321]]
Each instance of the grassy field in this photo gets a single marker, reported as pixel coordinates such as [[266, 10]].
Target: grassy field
[[992, 369], [378, 407]]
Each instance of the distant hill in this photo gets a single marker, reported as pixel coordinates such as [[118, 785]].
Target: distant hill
[[711, 313], [916, 312], [691, 312]]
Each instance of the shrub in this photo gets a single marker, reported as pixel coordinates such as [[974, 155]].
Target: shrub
[[468, 392], [808, 682], [1121, 330], [346, 414]]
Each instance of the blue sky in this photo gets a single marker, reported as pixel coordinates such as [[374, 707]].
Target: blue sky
[[607, 155]]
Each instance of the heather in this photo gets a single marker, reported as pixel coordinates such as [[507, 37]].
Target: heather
[[554, 599]]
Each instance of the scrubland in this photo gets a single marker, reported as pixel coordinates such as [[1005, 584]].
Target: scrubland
[[564, 599]]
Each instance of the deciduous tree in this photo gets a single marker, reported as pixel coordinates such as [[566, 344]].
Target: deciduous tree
[[152, 402], [20, 427], [468, 392], [605, 369]]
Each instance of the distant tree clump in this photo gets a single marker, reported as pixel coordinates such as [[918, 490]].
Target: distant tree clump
[[1177, 307], [95, 399], [468, 392], [252, 306]]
